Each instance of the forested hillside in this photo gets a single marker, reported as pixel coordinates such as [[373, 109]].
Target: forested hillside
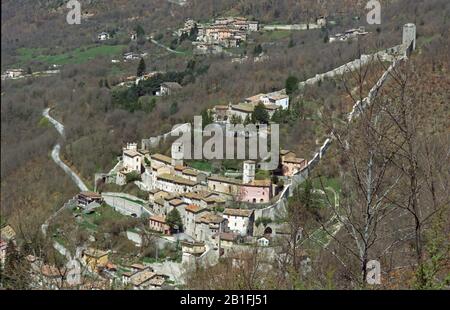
[[83, 96]]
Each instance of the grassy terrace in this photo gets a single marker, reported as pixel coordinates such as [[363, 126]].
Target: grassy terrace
[[76, 56], [200, 165]]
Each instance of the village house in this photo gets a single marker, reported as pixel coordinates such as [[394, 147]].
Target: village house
[[141, 280], [240, 220], [168, 88], [158, 223], [256, 191], [191, 214], [161, 163], [225, 240], [224, 185], [263, 241], [279, 99], [14, 73], [86, 198], [8, 233], [157, 281], [220, 113], [159, 206], [175, 184], [131, 56], [156, 194], [95, 258], [290, 163], [103, 36], [195, 248], [133, 160], [209, 224]]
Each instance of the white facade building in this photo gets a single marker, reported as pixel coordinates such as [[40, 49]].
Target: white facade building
[[132, 159], [249, 171], [240, 220]]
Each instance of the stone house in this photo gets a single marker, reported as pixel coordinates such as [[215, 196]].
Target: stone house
[[191, 214], [168, 88], [95, 258], [209, 224], [158, 223], [257, 191], [240, 220]]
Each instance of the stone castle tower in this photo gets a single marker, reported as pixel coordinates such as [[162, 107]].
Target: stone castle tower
[[177, 154], [249, 171], [409, 35]]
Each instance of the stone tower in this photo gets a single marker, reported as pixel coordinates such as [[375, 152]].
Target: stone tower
[[249, 171], [409, 35], [177, 154]]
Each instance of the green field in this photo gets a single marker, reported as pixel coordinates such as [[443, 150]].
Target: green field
[[273, 35], [76, 56], [200, 165]]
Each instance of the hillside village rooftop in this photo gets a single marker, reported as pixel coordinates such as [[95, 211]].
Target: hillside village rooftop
[[176, 179], [238, 212]]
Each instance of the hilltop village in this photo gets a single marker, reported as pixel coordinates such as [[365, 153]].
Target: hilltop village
[[139, 214]]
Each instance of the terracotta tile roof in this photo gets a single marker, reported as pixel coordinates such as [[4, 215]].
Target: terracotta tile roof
[[192, 208], [180, 167], [259, 183], [192, 195], [141, 277], [238, 212], [158, 218], [247, 108], [131, 153], [254, 98], [190, 172], [159, 201], [176, 179], [176, 202], [210, 218], [219, 178], [96, 253], [227, 236], [161, 158], [157, 281], [138, 266], [221, 107], [91, 195], [8, 233], [294, 160]]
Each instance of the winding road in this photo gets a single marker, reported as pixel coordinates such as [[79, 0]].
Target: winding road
[[57, 150], [165, 47]]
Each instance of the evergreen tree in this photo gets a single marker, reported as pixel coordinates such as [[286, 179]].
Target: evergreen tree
[[141, 68], [257, 50], [260, 114], [173, 108], [174, 220], [207, 118], [291, 84]]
